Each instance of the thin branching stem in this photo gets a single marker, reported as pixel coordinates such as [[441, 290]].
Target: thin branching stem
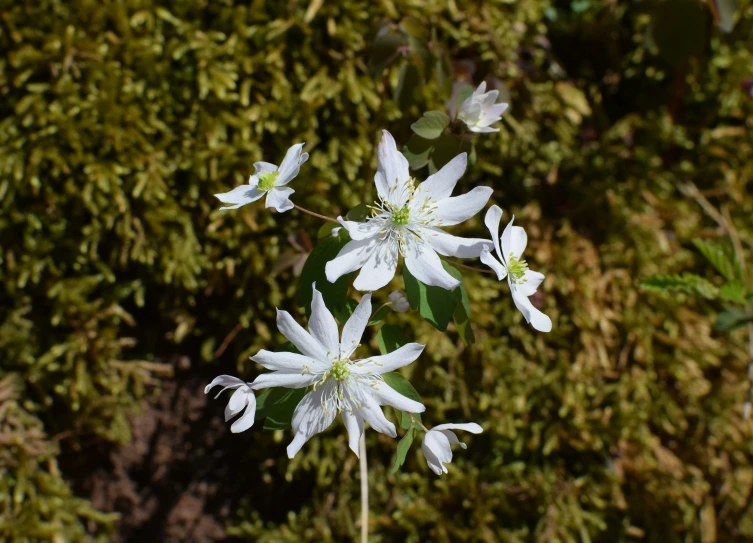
[[299, 208], [364, 489], [461, 265]]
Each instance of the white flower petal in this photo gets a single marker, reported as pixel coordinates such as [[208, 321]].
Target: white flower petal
[[237, 402], [449, 245], [492, 220], [361, 230], [440, 185], [372, 413], [247, 419], [392, 169], [299, 337], [354, 426], [514, 240], [291, 165], [309, 419], [532, 281], [225, 381], [264, 167], [322, 325], [278, 198], [354, 328], [386, 395], [425, 265], [379, 269], [389, 362], [493, 263], [465, 426], [481, 89], [461, 208], [536, 318], [287, 379], [437, 451], [239, 196], [286, 361], [482, 129], [350, 258]]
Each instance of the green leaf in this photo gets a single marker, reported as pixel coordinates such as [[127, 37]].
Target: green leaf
[[462, 315], [687, 283], [446, 148], [731, 319], [325, 230], [313, 271], [408, 82], [402, 449], [734, 292], [417, 151], [385, 49], [403, 386], [343, 312], [435, 304], [720, 256], [358, 214], [379, 317], [391, 337], [431, 125], [276, 406]]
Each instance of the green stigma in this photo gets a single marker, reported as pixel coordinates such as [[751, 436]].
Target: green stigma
[[267, 180], [401, 216], [516, 268], [339, 370]]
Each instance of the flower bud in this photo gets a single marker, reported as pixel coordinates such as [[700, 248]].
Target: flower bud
[[398, 301]]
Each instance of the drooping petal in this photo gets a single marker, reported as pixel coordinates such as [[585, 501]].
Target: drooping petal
[[465, 426], [372, 413], [361, 230], [536, 318], [354, 328], [354, 426], [310, 418], [532, 281], [225, 381], [247, 419], [449, 245], [492, 220], [322, 325], [461, 208], [237, 402], [426, 266], [350, 258], [493, 263], [287, 379], [264, 167], [299, 337], [437, 451], [514, 240], [285, 361], [386, 395], [279, 198], [392, 169], [440, 185], [291, 164], [239, 196], [379, 269], [390, 361]]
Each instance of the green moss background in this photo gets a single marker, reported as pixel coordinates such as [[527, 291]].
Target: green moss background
[[120, 119]]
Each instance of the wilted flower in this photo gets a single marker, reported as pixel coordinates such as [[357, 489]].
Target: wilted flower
[[242, 399], [406, 221], [398, 301], [479, 110], [523, 282], [354, 388], [437, 441], [269, 180]]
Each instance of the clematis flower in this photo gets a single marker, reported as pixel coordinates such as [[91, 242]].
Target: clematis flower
[[437, 441], [269, 180], [353, 388], [398, 301], [406, 221], [243, 399], [523, 282], [479, 110]]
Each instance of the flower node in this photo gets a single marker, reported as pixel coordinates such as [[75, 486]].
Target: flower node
[[267, 180], [339, 370], [401, 216], [517, 269]]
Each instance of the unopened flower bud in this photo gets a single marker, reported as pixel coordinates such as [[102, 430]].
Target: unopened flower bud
[[398, 301]]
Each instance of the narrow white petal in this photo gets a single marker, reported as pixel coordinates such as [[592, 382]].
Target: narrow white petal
[[322, 325], [482, 129], [224, 381], [440, 185], [514, 240], [309, 419], [493, 263], [299, 337], [431, 459], [437, 451], [536, 318], [237, 402], [532, 281], [386, 395], [350, 258], [291, 165], [379, 269], [426, 266], [264, 167], [287, 379], [465, 426], [279, 198], [354, 426], [239, 196], [392, 166], [286, 361], [247, 419], [449, 245], [481, 89], [361, 230], [461, 208], [492, 220], [354, 328], [390, 361], [372, 413]]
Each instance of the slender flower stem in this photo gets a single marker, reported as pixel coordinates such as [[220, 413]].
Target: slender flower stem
[[299, 208], [416, 421], [364, 489], [456, 263]]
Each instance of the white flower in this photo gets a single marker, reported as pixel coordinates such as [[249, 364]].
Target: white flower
[[242, 399], [479, 110], [523, 282], [437, 441], [406, 221], [269, 180], [354, 388], [398, 301]]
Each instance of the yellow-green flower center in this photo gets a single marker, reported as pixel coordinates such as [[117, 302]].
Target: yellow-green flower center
[[517, 269], [339, 370], [267, 180], [401, 216]]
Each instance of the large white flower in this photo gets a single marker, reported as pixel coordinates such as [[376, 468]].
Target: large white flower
[[269, 180], [243, 399], [354, 388], [479, 110], [523, 282], [406, 221], [437, 441]]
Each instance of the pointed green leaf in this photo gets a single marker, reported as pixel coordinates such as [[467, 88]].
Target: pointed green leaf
[[435, 304], [403, 386], [276, 406], [731, 319], [734, 292], [687, 283], [402, 449], [417, 151], [719, 255], [313, 271], [431, 125], [391, 337]]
